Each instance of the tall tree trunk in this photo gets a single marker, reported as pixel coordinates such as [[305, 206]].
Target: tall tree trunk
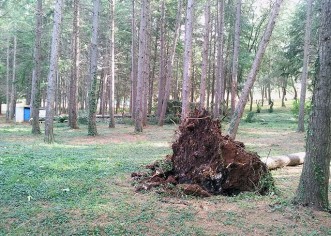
[[51, 82], [36, 78], [284, 86], [234, 124], [73, 88], [151, 78], [141, 66], [251, 100], [235, 59], [162, 76], [219, 83], [7, 81], [205, 51], [187, 59], [314, 181], [112, 64], [13, 83], [92, 124], [170, 66], [133, 62], [146, 65], [304, 75], [295, 97]]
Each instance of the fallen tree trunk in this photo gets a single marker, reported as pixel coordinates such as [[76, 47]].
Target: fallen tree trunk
[[285, 160]]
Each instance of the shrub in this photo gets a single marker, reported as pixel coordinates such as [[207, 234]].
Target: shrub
[[83, 118], [171, 119], [250, 117], [62, 118], [296, 106]]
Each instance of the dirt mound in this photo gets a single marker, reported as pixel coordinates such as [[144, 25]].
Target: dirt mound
[[204, 162]]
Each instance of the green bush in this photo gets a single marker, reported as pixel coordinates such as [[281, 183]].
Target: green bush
[[83, 118], [258, 108], [250, 117], [171, 119], [62, 118], [296, 106], [125, 121]]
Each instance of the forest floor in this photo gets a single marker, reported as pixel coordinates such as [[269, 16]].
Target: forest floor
[[81, 185]]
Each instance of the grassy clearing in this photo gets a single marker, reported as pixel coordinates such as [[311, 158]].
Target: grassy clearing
[[81, 186]]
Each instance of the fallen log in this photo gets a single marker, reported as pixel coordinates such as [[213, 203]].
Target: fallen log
[[284, 160]]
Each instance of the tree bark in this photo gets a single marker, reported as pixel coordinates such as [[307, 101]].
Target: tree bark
[[187, 59], [141, 66], [169, 73], [219, 81], [51, 82], [112, 64], [234, 124], [205, 51], [13, 83], [92, 125], [314, 180], [235, 59], [73, 89], [133, 62], [7, 81], [304, 75], [146, 65], [36, 78], [151, 78], [162, 75]]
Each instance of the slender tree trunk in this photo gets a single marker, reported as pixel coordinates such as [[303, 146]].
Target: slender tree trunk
[[151, 78], [251, 100], [141, 66], [235, 59], [51, 83], [35, 87], [219, 83], [284, 86], [187, 59], [262, 95], [13, 83], [234, 124], [73, 88], [92, 124], [314, 181], [295, 97], [304, 75], [205, 51], [133, 62], [7, 81], [170, 66], [146, 65], [162, 76], [112, 64]]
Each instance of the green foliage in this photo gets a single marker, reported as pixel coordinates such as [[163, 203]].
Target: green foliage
[[250, 117], [62, 118], [174, 107], [267, 184], [258, 108], [83, 117], [296, 106], [125, 121], [172, 119]]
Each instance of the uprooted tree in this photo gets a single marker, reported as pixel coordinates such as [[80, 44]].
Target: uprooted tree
[[204, 162]]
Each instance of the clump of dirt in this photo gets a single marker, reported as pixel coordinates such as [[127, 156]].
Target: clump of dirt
[[204, 162]]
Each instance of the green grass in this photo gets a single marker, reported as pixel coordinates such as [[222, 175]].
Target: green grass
[[81, 185]]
